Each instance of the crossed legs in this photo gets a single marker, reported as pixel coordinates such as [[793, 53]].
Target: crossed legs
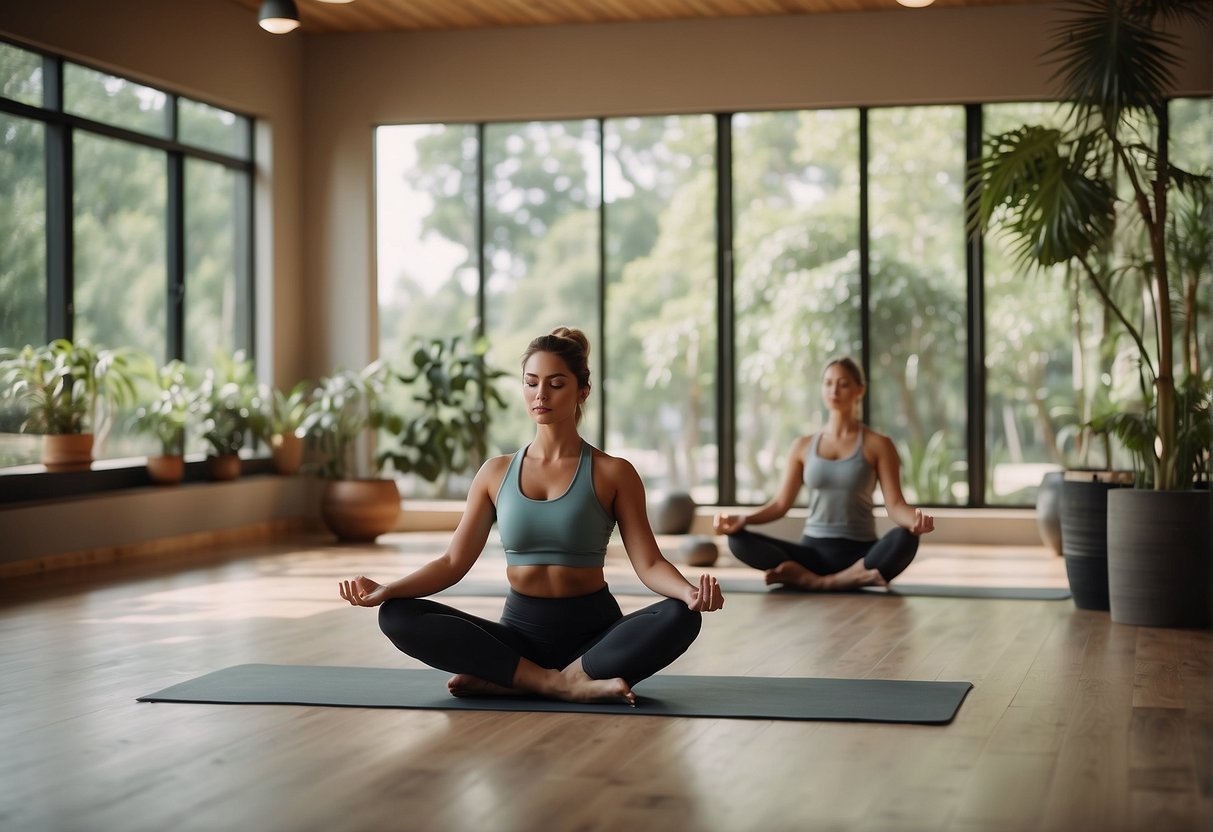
[[576, 649], [826, 564]]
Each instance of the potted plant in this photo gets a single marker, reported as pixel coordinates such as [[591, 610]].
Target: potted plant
[[285, 426], [347, 408], [449, 434], [166, 417], [230, 408], [1059, 194], [70, 392]]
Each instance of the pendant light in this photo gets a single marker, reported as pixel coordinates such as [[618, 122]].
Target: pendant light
[[278, 16]]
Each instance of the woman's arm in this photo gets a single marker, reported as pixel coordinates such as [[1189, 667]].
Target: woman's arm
[[448, 568], [888, 471], [654, 571], [777, 506]]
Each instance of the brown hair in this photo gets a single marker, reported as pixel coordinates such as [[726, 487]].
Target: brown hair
[[850, 365], [573, 347]]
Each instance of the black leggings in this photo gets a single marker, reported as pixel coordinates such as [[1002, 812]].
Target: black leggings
[[890, 554], [551, 632]]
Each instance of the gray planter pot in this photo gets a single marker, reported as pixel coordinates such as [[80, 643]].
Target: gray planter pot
[[1048, 510], [1160, 544], [1084, 541]]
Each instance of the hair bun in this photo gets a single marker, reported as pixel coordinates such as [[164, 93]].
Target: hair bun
[[575, 335]]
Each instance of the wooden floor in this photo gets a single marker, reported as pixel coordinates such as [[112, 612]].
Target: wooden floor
[[1074, 723]]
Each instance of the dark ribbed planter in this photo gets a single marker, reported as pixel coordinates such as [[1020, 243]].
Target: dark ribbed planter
[[1159, 549], [1048, 510], [1084, 539]]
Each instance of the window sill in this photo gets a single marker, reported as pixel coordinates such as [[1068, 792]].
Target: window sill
[[28, 483]]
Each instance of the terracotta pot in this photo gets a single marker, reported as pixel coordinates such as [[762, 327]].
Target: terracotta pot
[[223, 467], [358, 511], [166, 469], [67, 451], [286, 449]]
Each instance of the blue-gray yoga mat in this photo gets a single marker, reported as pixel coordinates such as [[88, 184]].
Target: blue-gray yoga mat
[[738, 697], [727, 585]]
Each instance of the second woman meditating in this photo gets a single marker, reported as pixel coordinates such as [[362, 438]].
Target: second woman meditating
[[556, 503], [841, 465]]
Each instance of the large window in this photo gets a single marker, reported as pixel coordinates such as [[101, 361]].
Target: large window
[[660, 176], [541, 246], [797, 278], [126, 222], [825, 232], [916, 390]]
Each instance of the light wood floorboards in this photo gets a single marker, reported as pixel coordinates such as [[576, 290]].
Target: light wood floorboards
[[1074, 723]]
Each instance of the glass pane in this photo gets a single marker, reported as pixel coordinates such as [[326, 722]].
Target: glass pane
[[22, 263], [541, 248], [796, 284], [916, 389], [114, 100], [1191, 148], [426, 195], [119, 221], [212, 128], [661, 300], [216, 260], [1041, 327], [23, 232], [20, 75]]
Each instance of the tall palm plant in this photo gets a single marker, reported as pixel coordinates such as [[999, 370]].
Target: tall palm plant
[[1055, 192]]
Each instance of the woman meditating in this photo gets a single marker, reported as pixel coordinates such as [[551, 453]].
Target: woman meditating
[[555, 502], [841, 465]]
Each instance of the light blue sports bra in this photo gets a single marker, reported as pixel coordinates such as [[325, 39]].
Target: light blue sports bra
[[570, 530], [840, 496]]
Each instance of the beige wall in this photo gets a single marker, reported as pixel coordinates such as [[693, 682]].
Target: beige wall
[[212, 49]]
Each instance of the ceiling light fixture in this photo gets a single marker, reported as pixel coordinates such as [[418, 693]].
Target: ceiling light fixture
[[335, 2], [278, 16], [915, 4]]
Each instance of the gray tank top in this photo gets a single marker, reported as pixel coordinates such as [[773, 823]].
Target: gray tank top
[[570, 530], [840, 494]]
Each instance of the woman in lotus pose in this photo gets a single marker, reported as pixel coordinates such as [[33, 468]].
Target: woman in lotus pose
[[555, 502], [840, 465]]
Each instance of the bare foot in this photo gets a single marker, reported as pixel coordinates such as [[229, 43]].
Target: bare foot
[[855, 576], [464, 684], [576, 686], [792, 574]]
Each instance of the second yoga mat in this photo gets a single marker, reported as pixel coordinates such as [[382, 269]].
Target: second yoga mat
[[738, 697]]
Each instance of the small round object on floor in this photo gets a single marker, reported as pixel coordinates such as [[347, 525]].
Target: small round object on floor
[[672, 513], [699, 551]]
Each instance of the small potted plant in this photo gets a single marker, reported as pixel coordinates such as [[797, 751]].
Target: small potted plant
[[347, 408], [285, 426], [230, 407], [166, 417], [70, 391]]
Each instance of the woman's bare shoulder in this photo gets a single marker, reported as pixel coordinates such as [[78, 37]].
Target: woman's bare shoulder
[[615, 466]]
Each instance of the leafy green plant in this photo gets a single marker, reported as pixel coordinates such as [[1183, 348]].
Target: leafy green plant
[[230, 404], [345, 408], [452, 383], [173, 403], [68, 387], [288, 410], [1056, 192], [1138, 432]]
